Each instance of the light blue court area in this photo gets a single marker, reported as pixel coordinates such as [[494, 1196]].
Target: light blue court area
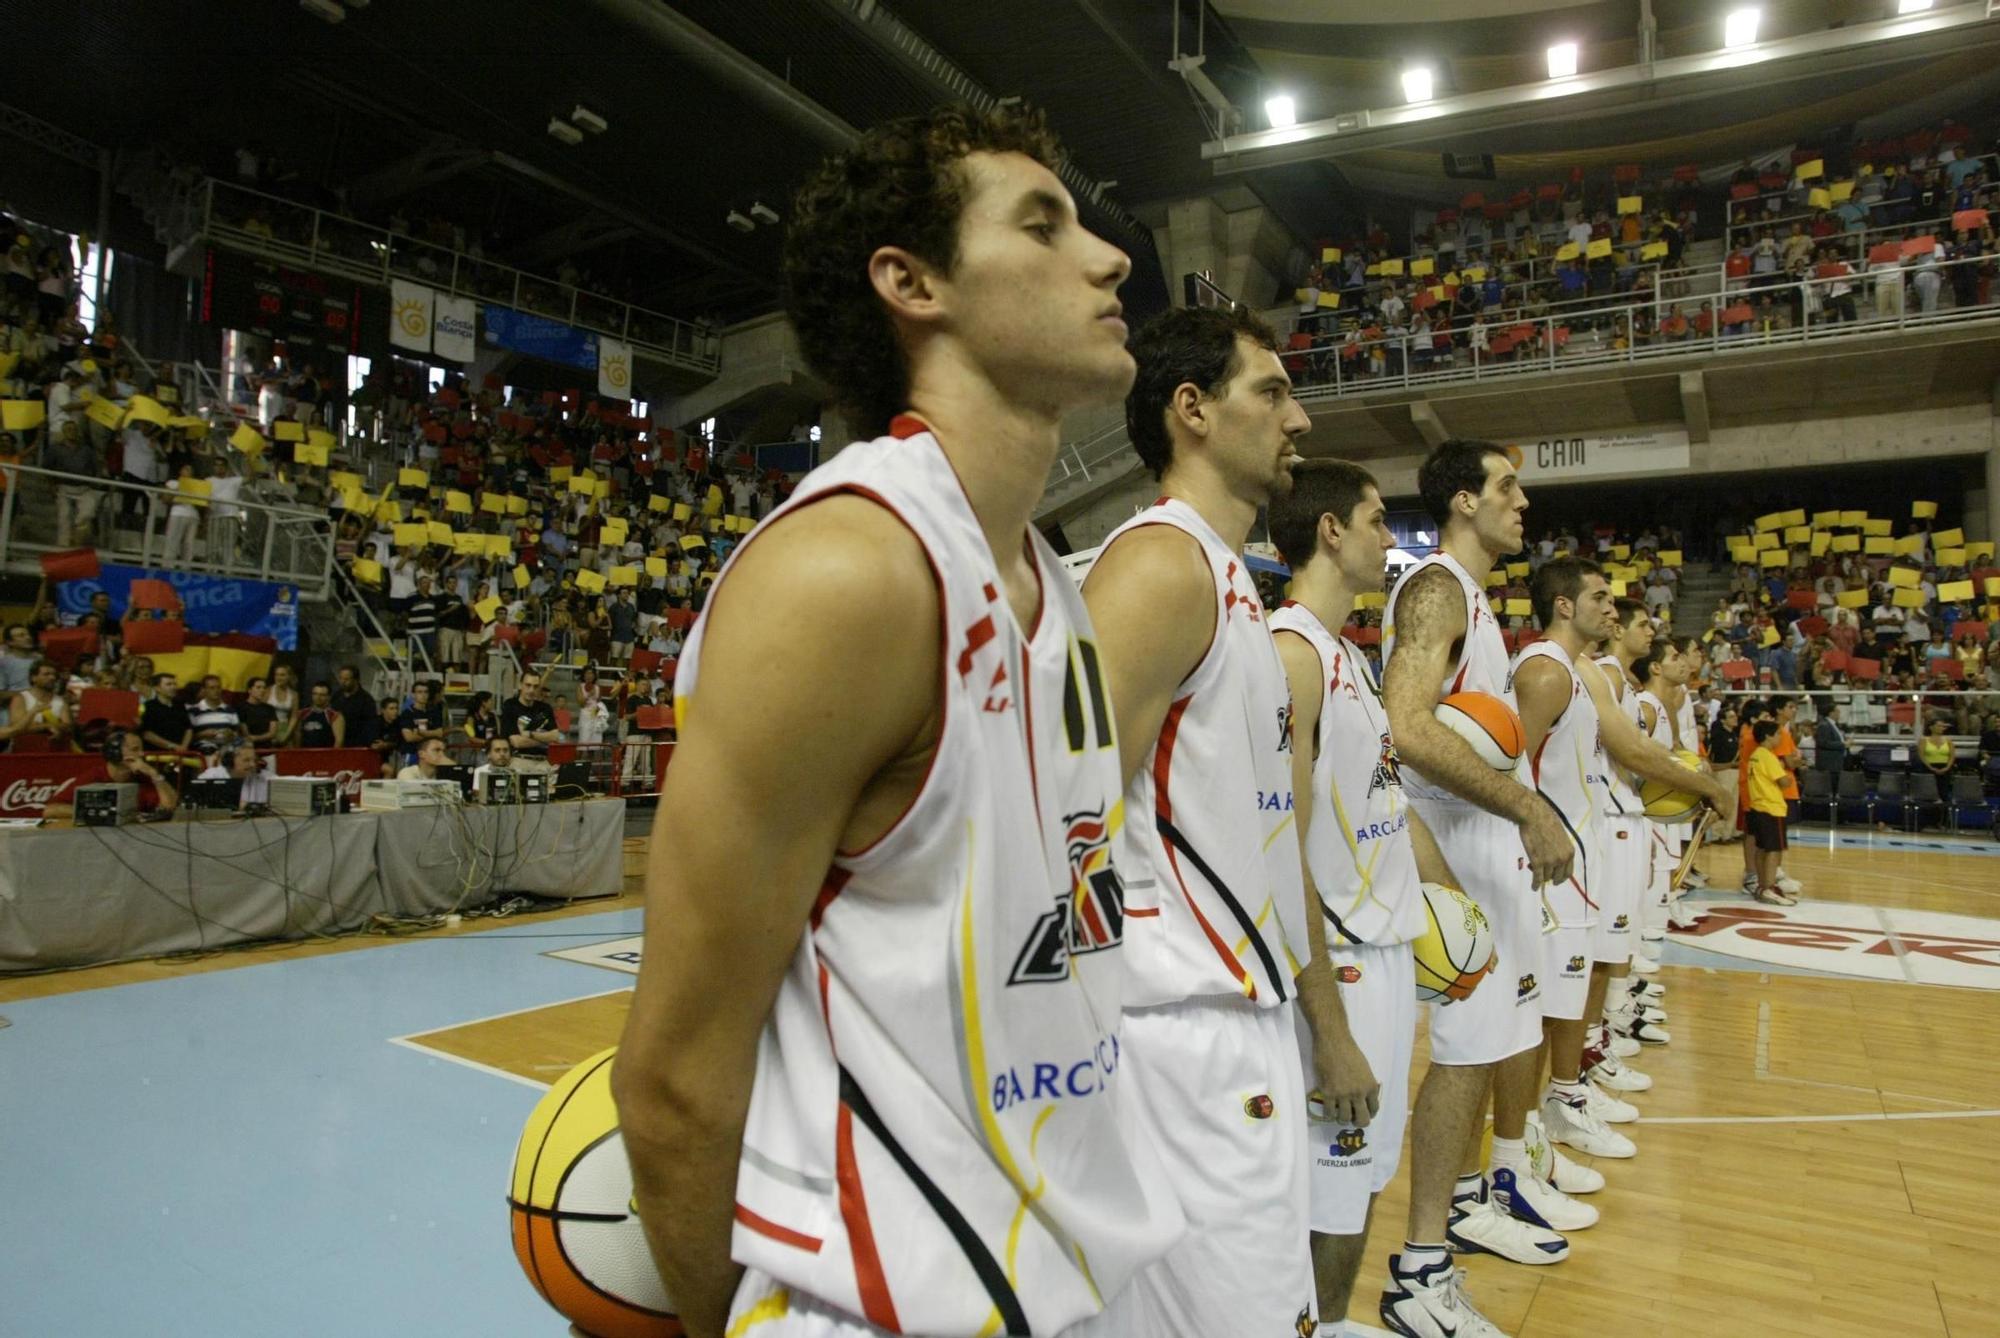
[[242, 1154]]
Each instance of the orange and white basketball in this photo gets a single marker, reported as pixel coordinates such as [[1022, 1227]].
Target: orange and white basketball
[[1488, 724], [1455, 950], [576, 1230]]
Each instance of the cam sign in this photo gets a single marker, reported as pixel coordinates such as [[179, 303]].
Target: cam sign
[[1581, 458]]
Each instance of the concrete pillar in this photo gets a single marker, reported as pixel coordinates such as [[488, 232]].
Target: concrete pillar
[[1992, 488], [1246, 251]]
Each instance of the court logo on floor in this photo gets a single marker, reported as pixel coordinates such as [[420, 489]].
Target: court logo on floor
[[1871, 942], [617, 954]]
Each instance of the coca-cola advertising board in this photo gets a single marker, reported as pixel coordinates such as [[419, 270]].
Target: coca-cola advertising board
[[30, 782], [349, 766]]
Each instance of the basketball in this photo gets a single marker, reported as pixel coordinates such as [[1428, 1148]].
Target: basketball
[[1488, 724], [575, 1231], [1666, 804], [1456, 949]]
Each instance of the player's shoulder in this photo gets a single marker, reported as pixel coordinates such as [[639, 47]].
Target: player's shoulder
[[840, 559], [1430, 602], [1156, 561]]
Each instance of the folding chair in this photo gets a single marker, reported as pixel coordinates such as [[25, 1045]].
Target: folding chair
[[1852, 794], [1892, 789], [1816, 791], [1968, 796]]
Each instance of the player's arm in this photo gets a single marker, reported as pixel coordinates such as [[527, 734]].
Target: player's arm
[[1348, 1089], [1152, 600], [1430, 616], [790, 726], [1541, 690], [1637, 753]]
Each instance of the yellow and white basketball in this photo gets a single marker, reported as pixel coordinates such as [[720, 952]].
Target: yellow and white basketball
[[1488, 724], [576, 1228], [1668, 803], [1456, 949]]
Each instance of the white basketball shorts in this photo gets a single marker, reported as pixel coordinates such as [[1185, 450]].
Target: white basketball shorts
[[1378, 990], [1218, 1087], [1627, 867], [1566, 962], [1503, 1016]]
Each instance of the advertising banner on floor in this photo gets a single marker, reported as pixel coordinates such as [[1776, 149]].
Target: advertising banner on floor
[[210, 604], [538, 337]]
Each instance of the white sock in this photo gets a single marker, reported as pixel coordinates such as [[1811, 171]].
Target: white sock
[[1511, 1154]]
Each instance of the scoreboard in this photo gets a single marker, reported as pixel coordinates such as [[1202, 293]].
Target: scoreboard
[[311, 313]]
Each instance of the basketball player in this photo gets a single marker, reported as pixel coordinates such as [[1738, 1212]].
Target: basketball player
[[873, 1052], [1559, 716], [1673, 692], [1631, 1004], [1365, 855], [1500, 838], [1216, 922], [1627, 864]]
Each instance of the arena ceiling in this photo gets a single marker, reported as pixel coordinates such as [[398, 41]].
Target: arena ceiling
[[714, 105]]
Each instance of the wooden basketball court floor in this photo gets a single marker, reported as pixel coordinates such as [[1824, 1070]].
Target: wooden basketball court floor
[[315, 1139]]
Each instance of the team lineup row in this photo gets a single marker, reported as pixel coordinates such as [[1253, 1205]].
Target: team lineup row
[[1027, 832]]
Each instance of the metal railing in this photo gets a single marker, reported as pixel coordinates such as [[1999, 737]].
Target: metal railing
[[130, 523], [1075, 459], [1735, 211], [265, 225], [1866, 302]]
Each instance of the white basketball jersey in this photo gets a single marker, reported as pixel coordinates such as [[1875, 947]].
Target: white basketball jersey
[[1482, 658], [933, 1141], [1571, 753], [1358, 842], [1621, 796], [1215, 900], [1690, 737], [1663, 728]]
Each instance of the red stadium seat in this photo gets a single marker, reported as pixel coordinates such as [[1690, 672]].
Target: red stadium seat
[[109, 705]]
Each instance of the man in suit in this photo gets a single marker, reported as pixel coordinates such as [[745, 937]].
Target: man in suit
[[1829, 742]]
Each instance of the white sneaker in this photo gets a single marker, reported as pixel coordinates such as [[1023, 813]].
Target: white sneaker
[[1538, 1203], [1609, 1108], [1626, 1022], [1623, 1046], [1478, 1226], [1695, 879], [1642, 965], [1652, 991], [1650, 948], [1432, 1303], [1573, 1125], [1614, 1075], [1788, 884], [1682, 916], [1648, 1012], [1551, 1167]]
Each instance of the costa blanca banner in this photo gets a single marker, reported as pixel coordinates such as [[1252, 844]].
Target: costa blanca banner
[[211, 604], [1581, 458]]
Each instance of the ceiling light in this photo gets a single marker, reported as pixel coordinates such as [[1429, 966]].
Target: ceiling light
[[1912, 6], [741, 222], [323, 9], [1562, 60], [763, 213], [589, 120], [1281, 111], [564, 131], [1740, 28], [1417, 84]]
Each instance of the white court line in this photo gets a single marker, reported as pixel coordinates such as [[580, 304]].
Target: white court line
[[426, 1051], [1865, 1116], [512, 1012], [1896, 943]]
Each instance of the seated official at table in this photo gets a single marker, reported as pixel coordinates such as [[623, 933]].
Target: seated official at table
[[499, 757], [430, 756], [240, 762], [123, 762]]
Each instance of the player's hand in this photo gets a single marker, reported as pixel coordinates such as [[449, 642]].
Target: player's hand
[[1550, 852], [1722, 798], [1348, 1092]]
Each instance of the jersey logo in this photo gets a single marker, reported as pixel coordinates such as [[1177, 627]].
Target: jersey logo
[[1348, 1142], [1525, 986], [1079, 684], [997, 698], [1305, 1326], [1575, 964], [1090, 918], [1388, 767], [1260, 1106], [1285, 727]]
